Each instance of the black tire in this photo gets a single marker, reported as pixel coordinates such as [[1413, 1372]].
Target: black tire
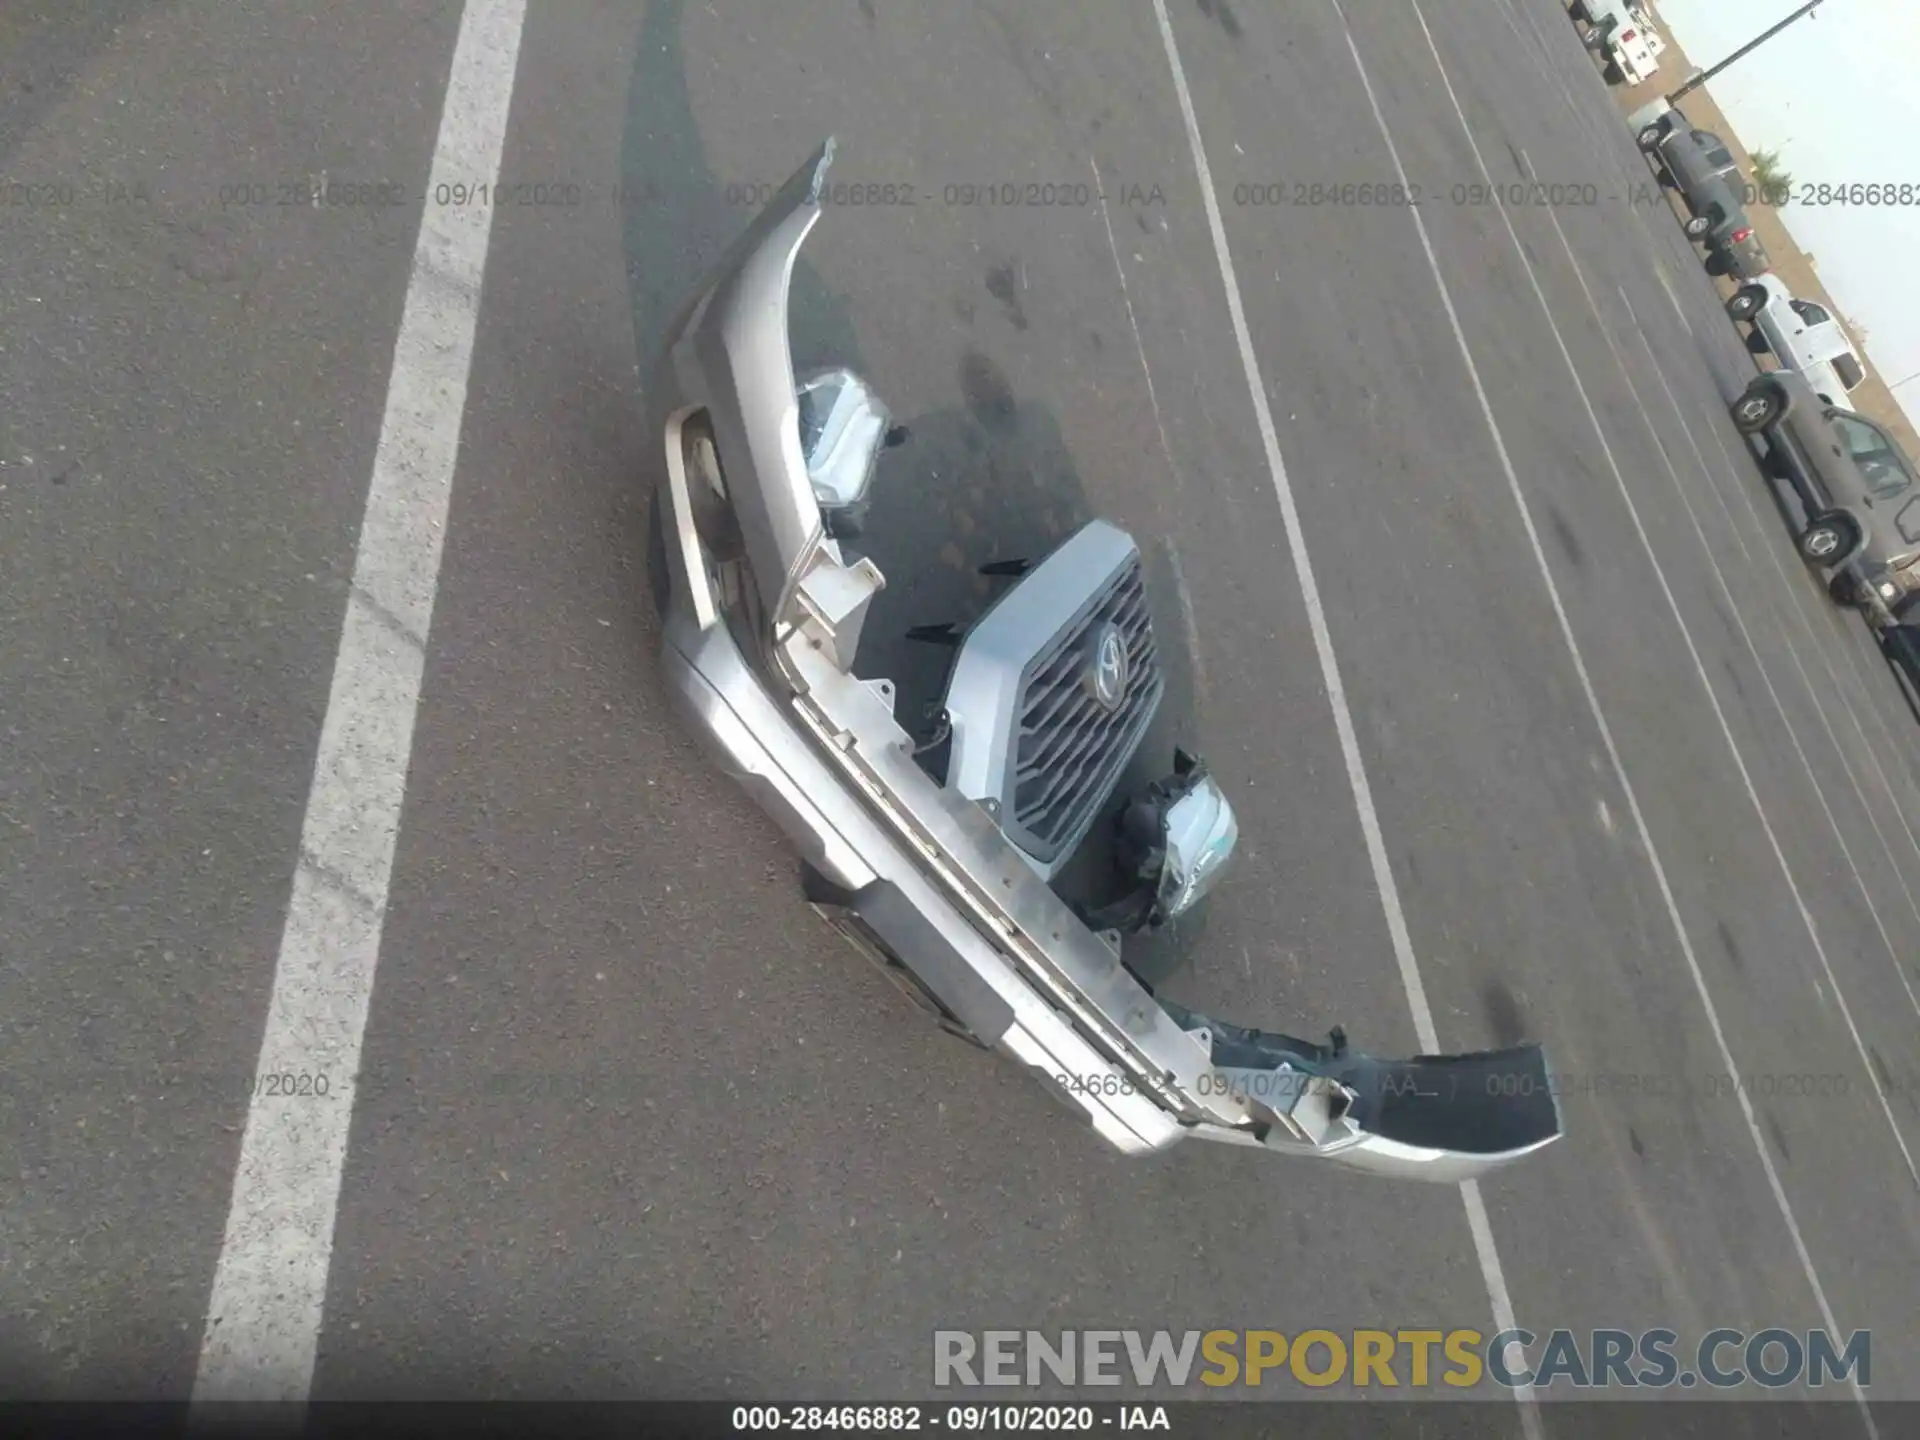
[[1756, 410], [1697, 226], [1829, 539], [1650, 136], [1747, 302]]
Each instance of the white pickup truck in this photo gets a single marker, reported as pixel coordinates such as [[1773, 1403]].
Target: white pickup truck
[[1625, 34], [1802, 335]]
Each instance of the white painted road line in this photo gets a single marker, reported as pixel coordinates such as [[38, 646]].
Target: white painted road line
[[1551, 66], [269, 1289], [1586, 680], [1424, 1028], [1660, 274], [1133, 323], [1188, 623]]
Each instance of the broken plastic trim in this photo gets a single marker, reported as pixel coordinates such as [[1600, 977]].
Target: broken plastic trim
[[1487, 1102]]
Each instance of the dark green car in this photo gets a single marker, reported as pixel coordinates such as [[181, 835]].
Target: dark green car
[[1860, 490]]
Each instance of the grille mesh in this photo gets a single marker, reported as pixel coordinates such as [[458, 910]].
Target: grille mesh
[[1069, 746]]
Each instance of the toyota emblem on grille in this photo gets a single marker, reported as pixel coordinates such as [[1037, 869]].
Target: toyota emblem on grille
[[1108, 674]]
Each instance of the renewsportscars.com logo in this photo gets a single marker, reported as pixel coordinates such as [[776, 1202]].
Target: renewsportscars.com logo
[[1400, 1359]]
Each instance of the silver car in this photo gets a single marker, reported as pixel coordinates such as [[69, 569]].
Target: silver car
[[1857, 485], [948, 882]]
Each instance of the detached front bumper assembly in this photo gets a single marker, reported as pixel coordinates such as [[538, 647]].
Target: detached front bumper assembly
[[762, 620]]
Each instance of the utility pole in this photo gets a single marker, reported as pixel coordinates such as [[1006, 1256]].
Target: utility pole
[[1705, 75]]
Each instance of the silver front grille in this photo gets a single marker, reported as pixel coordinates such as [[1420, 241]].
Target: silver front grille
[[1069, 749], [1031, 741]]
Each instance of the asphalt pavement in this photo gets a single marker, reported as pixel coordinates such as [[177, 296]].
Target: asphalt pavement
[[628, 1120]]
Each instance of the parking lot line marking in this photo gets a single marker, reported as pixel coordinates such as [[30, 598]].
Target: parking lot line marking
[[1739, 619], [1133, 323], [1660, 274], [1370, 828], [1699, 455], [1159, 425], [1586, 680], [1546, 59], [269, 1288]]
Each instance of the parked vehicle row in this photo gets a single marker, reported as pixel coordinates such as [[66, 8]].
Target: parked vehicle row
[[1858, 489], [1856, 486]]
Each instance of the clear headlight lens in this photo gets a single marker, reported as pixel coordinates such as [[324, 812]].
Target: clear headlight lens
[[1200, 834], [843, 425]]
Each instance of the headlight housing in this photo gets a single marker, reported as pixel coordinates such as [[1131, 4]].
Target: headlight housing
[[1198, 834], [1172, 843], [843, 427]]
